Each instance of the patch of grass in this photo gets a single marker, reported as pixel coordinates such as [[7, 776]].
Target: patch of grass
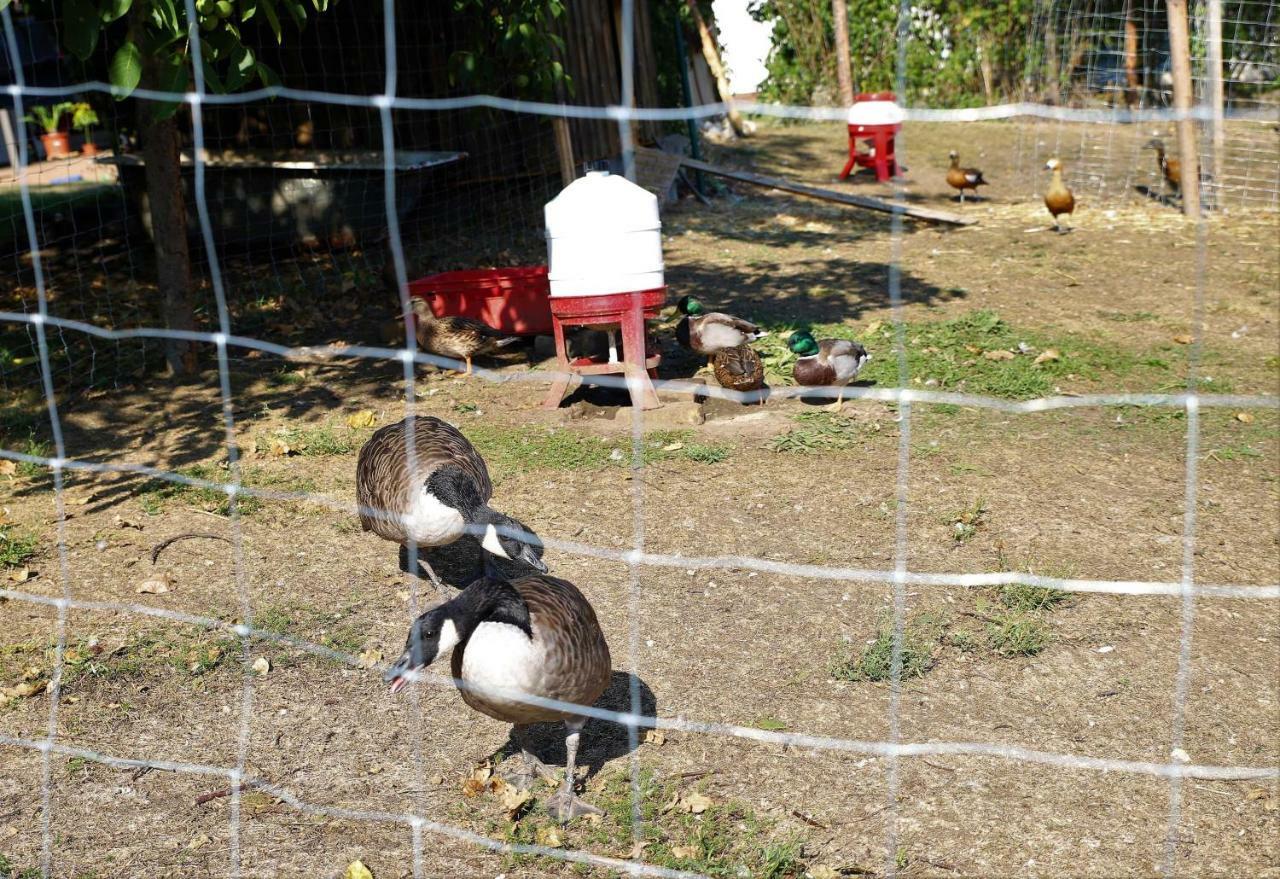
[[1024, 599], [920, 635], [310, 442], [190, 654], [519, 449], [965, 523], [10, 870], [1017, 634], [1126, 316], [77, 766], [818, 432], [155, 493], [771, 724], [962, 639], [15, 548], [950, 355], [1233, 452], [37, 449]]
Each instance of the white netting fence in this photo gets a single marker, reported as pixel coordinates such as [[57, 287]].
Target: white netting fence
[[105, 338]]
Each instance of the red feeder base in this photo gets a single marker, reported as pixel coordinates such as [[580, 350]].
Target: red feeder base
[[879, 138], [626, 310]]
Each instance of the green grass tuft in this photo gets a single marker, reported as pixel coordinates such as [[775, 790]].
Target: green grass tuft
[[818, 432], [15, 548], [1023, 598], [1018, 634], [920, 635]]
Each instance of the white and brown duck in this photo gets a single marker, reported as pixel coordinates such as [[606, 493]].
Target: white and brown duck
[[434, 501], [534, 636]]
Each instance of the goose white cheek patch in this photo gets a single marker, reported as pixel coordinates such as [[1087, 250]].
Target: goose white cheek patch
[[491, 542], [448, 638]]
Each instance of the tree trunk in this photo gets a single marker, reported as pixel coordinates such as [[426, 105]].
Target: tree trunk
[[986, 68], [169, 231], [712, 56], [1188, 153], [1133, 83], [840, 21]]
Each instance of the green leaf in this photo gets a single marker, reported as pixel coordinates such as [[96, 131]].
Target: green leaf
[[269, 10], [115, 9], [297, 11], [80, 23], [266, 75], [125, 69], [248, 9], [4, 4], [173, 76], [212, 82], [243, 66]]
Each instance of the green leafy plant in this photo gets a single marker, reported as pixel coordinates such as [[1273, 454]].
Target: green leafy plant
[[83, 118], [50, 117]]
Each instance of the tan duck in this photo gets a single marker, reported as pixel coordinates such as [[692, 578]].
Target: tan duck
[[739, 369], [535, 636], [1058, 198], [434, 503], [826, 363], [458, 337], [963, 178], [708, 332]]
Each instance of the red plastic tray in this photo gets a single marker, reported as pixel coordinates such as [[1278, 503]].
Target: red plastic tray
[[514, 300]]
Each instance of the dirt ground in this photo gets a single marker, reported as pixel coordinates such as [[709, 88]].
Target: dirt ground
[[1092, 493]]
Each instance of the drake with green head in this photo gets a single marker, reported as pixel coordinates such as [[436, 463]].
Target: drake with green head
[[707, 332], [827, 362]]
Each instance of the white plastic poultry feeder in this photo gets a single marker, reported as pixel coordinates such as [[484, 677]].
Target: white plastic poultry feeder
[[604, 267], [603, 237]]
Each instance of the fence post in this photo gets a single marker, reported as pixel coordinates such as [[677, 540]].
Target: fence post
[[840, 21], [1180, 53], [1216, 95]]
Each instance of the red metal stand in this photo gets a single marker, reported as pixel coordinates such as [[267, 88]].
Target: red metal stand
[[879, 138], [626, 310]]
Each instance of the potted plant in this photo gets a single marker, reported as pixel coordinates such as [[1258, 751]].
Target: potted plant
[[83, 119], [56, 143]]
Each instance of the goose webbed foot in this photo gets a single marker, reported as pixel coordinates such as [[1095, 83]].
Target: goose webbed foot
[[416, 567], [564, 807], [525, 769]]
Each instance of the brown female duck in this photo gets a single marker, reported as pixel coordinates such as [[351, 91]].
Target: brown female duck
[[739, 369], [532, 637], [458, 337]]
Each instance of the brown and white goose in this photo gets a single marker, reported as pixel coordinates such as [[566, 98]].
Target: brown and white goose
[[534, 636], [442, 496]]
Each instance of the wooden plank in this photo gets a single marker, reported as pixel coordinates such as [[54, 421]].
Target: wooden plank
[[853, 201]]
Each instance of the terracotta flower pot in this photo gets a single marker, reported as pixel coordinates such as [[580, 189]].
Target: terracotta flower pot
[[89, 148], [56, 145]]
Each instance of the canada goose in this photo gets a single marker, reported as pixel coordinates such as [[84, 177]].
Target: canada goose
[[739, 369], [963, 178], [458, 337], [1058, 199], [826, 363], [447, 491], [708, 332], [534, 636]]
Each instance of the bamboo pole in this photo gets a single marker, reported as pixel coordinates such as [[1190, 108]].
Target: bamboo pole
[[1216, 93], [712, 56], [844, 65], [1132, 82], [564, 149], [1180, 52]]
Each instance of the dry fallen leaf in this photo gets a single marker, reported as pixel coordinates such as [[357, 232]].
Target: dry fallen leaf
[[549, 836], [8, 468], [673, 447], [200, 840], [637, 850], [999, 355], [973, 349], [357, 870], [280, 448], [20, 575], [822, 871], [1048, 354], [695, 803], [262, 665], [1183, 338], [363, 418], [370, 658], [655, 737], [26, 689], [873, 326], [256, 801], [483, 772], [513, 800], [157, 584], [1257, 793], [472, 788], [1244, 417], [687, 852]]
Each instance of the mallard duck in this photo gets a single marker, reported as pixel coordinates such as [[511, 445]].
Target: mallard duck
[[963, 178], [459, 337], [826, 363], [1170, 169], [739, 369], [537, 636], [1058, 199], [708, 332], [447, 490]]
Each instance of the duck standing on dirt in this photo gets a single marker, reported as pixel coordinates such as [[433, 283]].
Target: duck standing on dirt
[[708, 332], [458, 337], [1058, 199], [826, 363], [534, 637], [739, 369], [434, 501], [963, 178]]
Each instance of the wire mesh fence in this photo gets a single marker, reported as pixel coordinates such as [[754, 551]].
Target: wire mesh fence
[[311, 206]]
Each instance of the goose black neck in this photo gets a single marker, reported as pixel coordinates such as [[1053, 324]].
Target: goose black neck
[[488, 600]]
